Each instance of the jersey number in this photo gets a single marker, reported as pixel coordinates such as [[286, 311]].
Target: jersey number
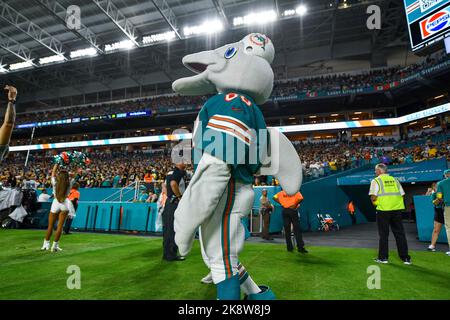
[[231, 96]]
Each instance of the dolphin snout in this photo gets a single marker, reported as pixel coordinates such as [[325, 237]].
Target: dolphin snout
[[199, 62]]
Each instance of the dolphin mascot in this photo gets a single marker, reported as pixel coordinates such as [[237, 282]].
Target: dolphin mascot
[[231, 144]]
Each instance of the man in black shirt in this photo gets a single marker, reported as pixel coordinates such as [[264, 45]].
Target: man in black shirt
[[175, 188]]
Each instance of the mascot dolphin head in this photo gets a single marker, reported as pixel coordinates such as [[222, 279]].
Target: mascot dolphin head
[[243, 66]]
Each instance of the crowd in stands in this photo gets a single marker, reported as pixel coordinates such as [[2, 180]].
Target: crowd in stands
[[282, 88], [363, 80], [107, 170], [153, 104], [120, 168], [325, 158]]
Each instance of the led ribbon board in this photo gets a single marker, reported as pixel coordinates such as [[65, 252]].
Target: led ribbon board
[[428, 21], [82, 119], [286, 129]]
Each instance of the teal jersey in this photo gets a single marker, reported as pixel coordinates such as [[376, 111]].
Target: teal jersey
[[231, 127], [116, 181], [143, 197], [444, 188]]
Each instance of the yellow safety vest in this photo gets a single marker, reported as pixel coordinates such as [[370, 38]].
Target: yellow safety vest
[[389, 197]]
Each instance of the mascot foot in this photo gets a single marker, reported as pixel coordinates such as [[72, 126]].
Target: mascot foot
[[208, 279], [229, 289], [265, 294]]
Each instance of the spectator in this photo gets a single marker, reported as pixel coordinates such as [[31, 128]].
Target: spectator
[[44, 196], [266, 209]]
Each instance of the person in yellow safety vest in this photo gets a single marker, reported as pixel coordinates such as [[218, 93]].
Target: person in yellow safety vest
[[386, 194]]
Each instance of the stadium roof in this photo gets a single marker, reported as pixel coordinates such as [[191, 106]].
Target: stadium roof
[[34, 29]]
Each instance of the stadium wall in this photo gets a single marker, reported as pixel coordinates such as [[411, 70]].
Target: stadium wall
[[424, 216], [315, 192]]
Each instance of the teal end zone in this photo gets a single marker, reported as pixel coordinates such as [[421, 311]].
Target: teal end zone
[[425, 219]]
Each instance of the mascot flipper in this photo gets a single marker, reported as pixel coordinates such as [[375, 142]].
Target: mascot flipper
[[229, 137], [287, 169]]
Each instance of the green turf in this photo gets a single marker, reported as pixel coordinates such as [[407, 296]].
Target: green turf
[[130, 267]]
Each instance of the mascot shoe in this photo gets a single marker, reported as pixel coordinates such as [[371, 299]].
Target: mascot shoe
[[229, 289], [265, 294]]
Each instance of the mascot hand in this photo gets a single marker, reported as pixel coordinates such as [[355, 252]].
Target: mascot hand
[[184, 243]]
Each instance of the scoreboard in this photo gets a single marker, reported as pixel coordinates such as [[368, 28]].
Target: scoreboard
[[428, 21]]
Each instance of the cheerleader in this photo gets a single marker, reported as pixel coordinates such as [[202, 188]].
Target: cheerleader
[[8, 123], [61, 207]]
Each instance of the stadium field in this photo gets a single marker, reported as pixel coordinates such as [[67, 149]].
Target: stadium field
[[130, 267]]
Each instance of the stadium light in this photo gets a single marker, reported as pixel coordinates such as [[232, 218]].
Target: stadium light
[[21, 65], [52, 59], [262, 17], [125, 44], [301, 10], [208, 27], [159, 37], [289, 13], [87, 52]]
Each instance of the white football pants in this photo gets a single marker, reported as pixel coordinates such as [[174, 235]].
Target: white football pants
[[216, 202]]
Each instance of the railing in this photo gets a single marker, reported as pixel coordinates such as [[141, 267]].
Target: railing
[[120, 195]]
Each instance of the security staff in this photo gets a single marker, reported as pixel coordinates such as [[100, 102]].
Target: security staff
[[443, 195], [266, 209], [175, 188], [74, 197], [387, 194], [290, 206]]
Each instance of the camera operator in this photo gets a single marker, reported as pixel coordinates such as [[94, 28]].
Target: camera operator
[[175, 188]]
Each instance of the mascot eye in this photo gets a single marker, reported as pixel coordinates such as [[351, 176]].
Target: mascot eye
[[230, 53]]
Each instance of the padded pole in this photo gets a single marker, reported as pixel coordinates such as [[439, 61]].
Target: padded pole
[[95, 217], [148, 218], [87, 218], [110, 218], [120, 218]]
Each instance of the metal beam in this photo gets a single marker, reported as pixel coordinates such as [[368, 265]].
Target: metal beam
[[28, 78], [333, 31], [14, 47], [123, 63], [59, 12], [22, 23], [167, 13], [221, 11], [118, 18]]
